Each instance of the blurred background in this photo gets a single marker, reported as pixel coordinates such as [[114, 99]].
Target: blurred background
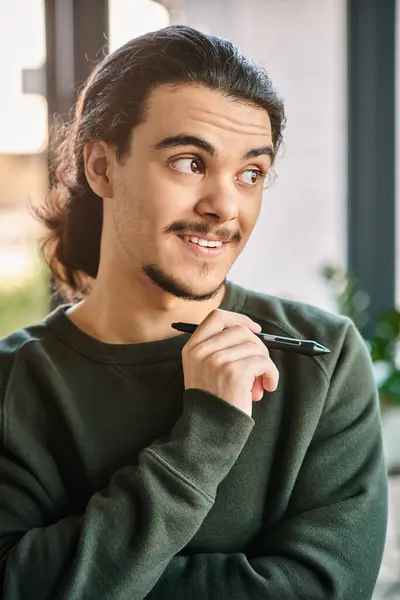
[[329, 231]]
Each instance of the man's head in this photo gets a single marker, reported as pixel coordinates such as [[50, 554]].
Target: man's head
[[176, 131]]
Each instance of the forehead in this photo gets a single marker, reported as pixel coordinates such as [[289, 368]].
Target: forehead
[[198, 110]]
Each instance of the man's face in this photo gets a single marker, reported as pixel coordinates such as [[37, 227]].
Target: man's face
[[196, 168]]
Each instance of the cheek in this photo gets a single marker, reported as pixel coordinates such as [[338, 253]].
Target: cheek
[[129, 219], [249, 216], [139, 218], [158, 195]]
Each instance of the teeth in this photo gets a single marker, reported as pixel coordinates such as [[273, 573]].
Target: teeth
[[201, 242]]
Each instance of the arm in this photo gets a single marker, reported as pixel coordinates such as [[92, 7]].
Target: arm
[[330, 545], [132, 528]]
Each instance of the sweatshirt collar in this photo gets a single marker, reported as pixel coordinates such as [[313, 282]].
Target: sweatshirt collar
[[144, 352]]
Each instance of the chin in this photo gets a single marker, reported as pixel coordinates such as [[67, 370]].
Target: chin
[[184, 288]]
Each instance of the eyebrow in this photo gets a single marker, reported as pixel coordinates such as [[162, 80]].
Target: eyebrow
[[192, 140]]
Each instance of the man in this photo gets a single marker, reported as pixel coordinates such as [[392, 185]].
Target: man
[[137, 461]]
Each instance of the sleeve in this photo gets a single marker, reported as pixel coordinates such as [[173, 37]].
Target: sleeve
[[131, 529], [330, 544]]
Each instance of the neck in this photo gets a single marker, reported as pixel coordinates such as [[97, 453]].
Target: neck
[[141, 314]]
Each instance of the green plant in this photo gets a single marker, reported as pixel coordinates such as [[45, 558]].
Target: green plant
[[383, 343], [350, 299], [384, 348]]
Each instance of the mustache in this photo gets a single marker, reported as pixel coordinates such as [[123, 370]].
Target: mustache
[[224, 234]]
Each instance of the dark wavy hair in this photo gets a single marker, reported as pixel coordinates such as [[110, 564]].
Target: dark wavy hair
[[113, 102]]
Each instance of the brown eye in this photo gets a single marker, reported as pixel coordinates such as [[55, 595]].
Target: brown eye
[[191, 166], [250, 176]]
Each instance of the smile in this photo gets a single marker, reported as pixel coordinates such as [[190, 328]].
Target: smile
[[203, 248]]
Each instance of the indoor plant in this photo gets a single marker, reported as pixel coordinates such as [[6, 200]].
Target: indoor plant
[[384, 347]]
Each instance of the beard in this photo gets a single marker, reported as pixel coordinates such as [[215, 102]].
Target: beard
[[175, 287]]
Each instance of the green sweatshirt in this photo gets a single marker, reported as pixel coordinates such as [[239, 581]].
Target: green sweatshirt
[[116, 484]]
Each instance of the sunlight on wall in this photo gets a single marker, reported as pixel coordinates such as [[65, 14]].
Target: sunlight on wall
[[18, 248], [23, 117], [131, 18]]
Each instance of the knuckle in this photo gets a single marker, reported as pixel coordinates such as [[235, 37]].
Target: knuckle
[[252, 347], [239, 327], [271, 368], [266, 352], [261, 344], [217, 358], [215, 314], [197, 353], [188, 349], [245, 332], [229, 369]]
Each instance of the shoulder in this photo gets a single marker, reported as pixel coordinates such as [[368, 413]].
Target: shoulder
[[291, 317], [286, 317], [21, 355], [17, 345]]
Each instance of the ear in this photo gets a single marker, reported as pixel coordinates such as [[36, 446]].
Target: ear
[[98, 158]]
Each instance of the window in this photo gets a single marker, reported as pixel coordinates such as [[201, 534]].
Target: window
[[129, 19]]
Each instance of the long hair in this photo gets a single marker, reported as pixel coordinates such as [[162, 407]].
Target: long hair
[[113, 102]]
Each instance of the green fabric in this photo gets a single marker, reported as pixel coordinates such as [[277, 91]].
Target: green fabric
[[116, 484]]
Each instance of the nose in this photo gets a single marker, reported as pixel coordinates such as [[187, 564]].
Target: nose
[[219, 201]]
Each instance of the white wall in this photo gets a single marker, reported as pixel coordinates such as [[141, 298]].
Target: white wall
[[302, 43], [398, 153]]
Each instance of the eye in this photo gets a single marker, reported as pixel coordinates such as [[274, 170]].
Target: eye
[[251, 176], [189, 165]]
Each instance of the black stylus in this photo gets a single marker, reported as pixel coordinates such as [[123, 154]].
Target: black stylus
[[275, 342]]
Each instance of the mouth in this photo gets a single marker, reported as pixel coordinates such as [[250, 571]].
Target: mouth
[[202, 251]]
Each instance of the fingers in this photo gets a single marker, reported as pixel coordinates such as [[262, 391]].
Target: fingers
[[217, 321], [234, 353], [225, 347], [232, 336]]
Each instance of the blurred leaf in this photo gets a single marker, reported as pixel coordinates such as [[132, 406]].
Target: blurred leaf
[[350, 299], [390, 389], [384, 343], [385, 337]]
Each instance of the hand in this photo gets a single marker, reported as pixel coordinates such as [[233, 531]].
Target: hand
[[225, 358]]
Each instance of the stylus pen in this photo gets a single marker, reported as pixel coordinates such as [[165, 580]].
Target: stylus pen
[[275, 342]]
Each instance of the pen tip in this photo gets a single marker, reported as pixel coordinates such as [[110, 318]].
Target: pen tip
[[322, 350]]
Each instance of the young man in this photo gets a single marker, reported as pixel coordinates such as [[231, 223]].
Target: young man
[[137, 461]]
